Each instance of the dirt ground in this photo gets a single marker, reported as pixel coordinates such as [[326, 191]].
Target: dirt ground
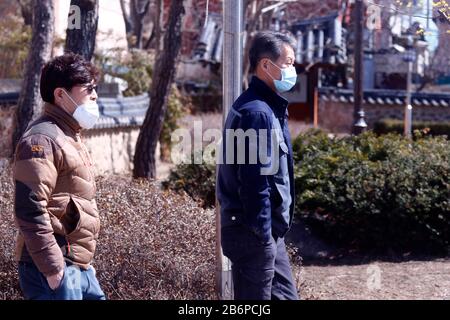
[[327, 272], [412, 280]]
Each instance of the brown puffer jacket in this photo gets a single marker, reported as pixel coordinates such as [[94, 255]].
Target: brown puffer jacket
[[55, 206]]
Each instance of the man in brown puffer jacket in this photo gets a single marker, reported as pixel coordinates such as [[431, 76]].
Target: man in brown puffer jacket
[[55, 206]]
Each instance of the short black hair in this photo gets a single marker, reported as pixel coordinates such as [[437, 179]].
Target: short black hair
[[268, 44], [66, 71]]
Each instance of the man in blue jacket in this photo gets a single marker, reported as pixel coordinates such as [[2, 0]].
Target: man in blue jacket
[[255, 185]]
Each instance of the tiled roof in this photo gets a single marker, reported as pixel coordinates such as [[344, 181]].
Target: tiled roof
[[387, 97], [122, 112], [114, 112], [9, 98]]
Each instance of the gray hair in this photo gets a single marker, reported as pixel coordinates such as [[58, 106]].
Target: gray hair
[[268, 44]]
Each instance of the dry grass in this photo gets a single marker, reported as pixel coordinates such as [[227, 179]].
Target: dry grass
[[9, 283], [153, 244]]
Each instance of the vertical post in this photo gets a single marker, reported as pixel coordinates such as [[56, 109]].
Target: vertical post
[[232, 52], [316, 108], [408, 105], [359, 124], [299, 51], [310, 46], [410, 60], [232, 87]]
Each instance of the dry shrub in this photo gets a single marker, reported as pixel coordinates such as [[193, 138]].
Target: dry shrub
[[9, 281], [153, 244]]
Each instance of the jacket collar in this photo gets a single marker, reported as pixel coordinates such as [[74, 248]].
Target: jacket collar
[[274, 100], [62, 118]]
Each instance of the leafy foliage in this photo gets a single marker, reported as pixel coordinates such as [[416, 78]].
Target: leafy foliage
[[374, 192], [396, 126], [383, 191], [197, 180], [15, 40]]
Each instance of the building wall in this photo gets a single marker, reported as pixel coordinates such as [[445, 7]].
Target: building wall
[[337, 117]]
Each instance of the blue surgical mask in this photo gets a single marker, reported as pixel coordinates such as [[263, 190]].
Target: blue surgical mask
[[288, 78]]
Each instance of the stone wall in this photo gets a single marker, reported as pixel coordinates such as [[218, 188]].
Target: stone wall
[[7, 114], [337, 117], [112, 149]]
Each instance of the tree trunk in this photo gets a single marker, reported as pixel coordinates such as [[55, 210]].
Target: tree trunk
[[134, 21], [26, 8], [40, 52], [82, 41], [157, 31], [158, 24], [127, 19], [163, 75]]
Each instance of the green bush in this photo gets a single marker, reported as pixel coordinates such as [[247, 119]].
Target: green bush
[[370, 192], [385, 126], [375, 192], [177, 106], [197, 180], [15, 40]]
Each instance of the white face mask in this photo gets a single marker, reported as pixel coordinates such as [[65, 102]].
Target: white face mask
[[86, 114]]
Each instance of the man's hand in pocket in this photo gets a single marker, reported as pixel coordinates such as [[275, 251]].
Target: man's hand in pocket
[[55, 280]]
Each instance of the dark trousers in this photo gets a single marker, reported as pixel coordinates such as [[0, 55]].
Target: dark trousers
[[77, 284], [261, 271]]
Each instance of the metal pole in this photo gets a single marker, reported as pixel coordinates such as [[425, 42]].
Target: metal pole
[[232, 88], [232, 52], [359, 124], [408, 105]]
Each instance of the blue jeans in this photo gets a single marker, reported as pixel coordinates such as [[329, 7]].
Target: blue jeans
[[261, 271], [77, 284]]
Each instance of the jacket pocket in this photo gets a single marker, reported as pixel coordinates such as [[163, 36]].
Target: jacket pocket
[[88, 225], [72, 217], [63, 279], [284, 148], [279, 176]]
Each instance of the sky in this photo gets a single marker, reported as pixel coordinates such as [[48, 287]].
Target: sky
[[431, 34]]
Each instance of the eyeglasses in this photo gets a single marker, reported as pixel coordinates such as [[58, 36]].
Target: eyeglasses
[[90, 88]]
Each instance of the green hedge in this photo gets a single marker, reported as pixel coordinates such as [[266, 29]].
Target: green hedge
[[377, 192], [197, 180], [385, 126]]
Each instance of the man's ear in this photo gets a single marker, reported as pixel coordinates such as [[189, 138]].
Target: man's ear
[[264, 64], [58, 93]]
